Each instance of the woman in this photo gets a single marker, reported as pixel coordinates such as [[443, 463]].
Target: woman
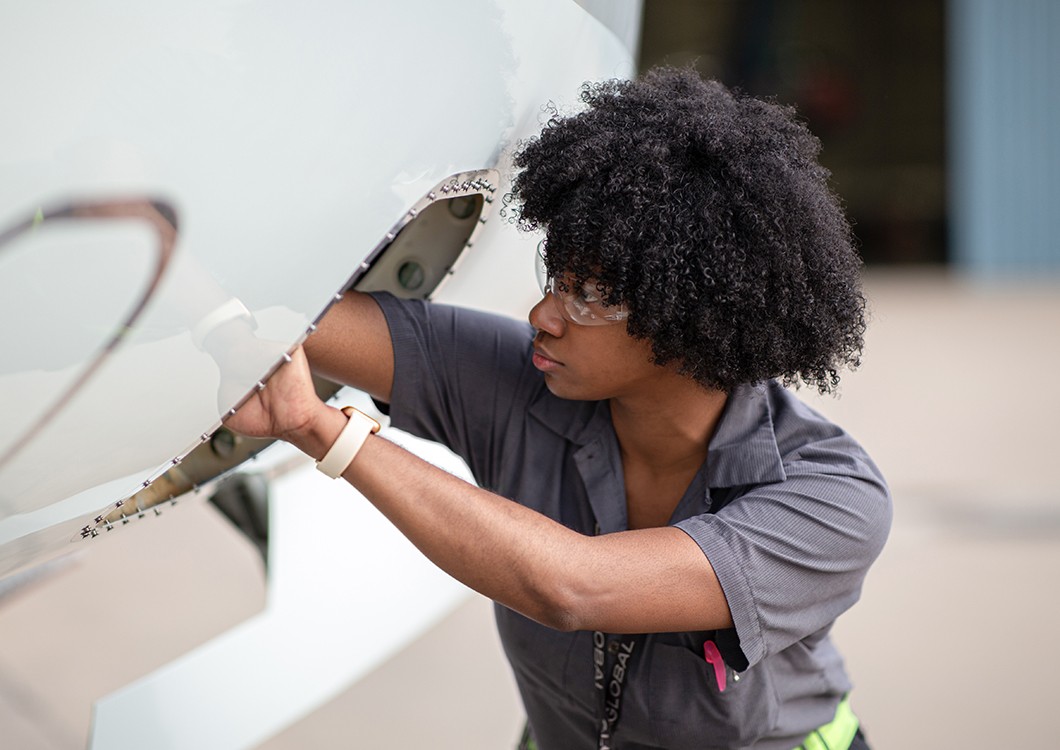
[[668, 533]]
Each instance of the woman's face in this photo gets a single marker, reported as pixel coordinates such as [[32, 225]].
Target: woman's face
[[590, 362]]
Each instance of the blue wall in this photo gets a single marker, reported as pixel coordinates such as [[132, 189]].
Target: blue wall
[[1004, 131]]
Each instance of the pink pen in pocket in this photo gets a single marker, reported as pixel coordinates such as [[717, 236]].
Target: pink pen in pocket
[[713, 657]]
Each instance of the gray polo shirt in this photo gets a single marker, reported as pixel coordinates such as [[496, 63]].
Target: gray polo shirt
[[789, 510]]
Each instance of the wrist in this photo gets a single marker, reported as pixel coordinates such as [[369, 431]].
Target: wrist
[[319, 433]]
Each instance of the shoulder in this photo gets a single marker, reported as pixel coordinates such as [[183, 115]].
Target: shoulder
[[809, 442]]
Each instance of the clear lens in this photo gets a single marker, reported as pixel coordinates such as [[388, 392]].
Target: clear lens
[[543, 282], [581, 306]]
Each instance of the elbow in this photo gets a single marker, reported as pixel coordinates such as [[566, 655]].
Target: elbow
[[562, 607], [560, 592], [561, 619]]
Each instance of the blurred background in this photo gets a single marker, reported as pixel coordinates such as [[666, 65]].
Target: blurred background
[[939, 122]]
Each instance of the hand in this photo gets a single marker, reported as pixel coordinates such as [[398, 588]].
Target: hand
[[287, 408]]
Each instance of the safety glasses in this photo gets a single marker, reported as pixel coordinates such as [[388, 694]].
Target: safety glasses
[[580, 305]]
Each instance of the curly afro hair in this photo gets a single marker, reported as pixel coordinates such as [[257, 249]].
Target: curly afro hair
[[705, 212]]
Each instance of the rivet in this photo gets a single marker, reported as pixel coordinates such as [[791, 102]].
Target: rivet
[[261, 386], [286, 358]]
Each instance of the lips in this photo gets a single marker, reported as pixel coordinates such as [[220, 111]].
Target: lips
[[543, 361]]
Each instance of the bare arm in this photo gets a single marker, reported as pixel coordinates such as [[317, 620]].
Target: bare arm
[[352, 346], [650, 580]]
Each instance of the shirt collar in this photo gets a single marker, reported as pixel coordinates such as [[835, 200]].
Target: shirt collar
[[743, 450]]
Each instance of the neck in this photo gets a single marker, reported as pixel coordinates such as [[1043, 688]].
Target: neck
[[668, 428]]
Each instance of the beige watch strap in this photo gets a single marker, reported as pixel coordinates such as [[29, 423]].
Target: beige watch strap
[[348, 443]]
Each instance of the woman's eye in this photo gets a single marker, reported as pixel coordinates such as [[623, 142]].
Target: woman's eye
[[588, 296]]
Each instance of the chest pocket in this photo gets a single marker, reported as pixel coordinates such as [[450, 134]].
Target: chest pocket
[[689, 711]]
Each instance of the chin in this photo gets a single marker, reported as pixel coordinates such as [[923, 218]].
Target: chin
[[572, 392]]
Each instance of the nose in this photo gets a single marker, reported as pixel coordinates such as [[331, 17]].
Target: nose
[[545, 316]]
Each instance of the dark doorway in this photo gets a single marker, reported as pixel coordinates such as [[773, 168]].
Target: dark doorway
[[867, 77]]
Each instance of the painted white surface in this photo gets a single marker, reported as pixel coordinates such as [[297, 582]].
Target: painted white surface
[[288, 139]]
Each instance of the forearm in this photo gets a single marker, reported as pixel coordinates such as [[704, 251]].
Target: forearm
[[497, 547]]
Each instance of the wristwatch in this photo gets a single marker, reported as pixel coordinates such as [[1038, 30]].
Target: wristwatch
[[348, 443]]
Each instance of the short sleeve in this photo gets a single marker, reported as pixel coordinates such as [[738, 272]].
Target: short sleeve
[[460, 377], [791, 556]]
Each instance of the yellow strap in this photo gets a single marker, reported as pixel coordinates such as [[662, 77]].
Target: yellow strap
[[836, 734]]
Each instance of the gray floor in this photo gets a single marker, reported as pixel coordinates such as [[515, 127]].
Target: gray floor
[[952, 645]]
